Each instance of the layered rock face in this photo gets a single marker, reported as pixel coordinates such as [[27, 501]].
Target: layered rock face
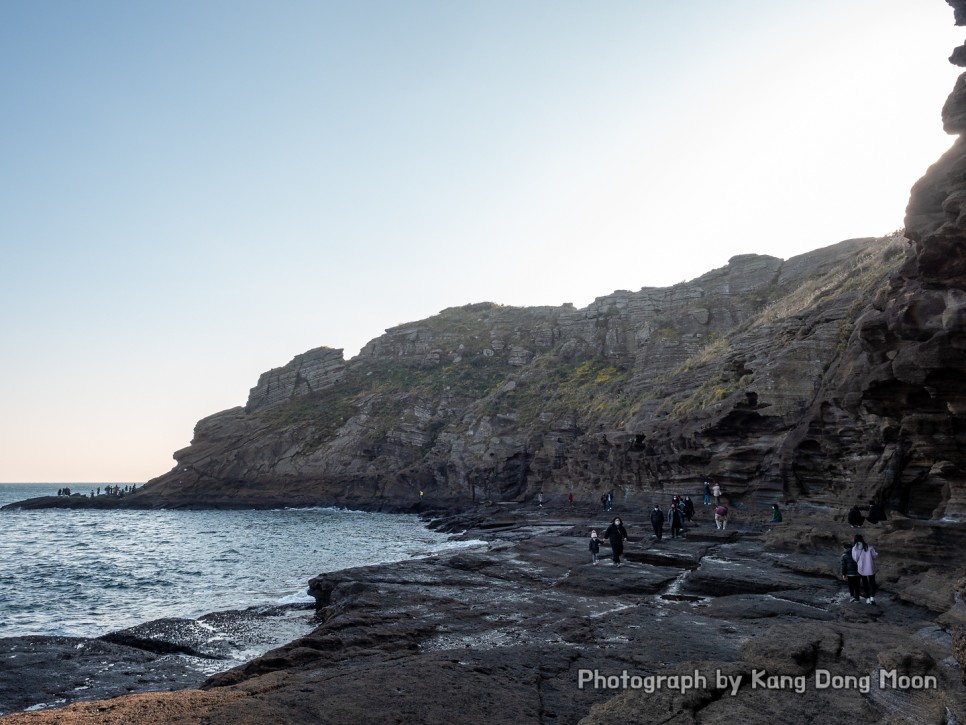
[[911, 375], [309, 372], [833, 376], [721, 377]]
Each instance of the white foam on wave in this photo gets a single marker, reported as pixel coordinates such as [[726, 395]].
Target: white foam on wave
[[297, 598], [468, 544]]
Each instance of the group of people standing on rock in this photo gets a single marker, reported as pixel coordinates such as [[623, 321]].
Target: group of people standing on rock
[[678, 516], [720, 510], [875, 515], [113, 490], [860, 562], [680, 511]]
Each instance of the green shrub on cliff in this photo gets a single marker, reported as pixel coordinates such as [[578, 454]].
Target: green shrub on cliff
[[586, 388]]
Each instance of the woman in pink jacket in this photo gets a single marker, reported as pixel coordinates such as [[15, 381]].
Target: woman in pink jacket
[[867, 559]]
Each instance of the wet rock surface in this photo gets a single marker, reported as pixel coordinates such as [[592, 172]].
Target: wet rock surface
[[167, 654], [526, 629], [41, 672]]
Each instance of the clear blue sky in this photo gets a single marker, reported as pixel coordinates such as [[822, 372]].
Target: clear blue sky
[[192, 193]]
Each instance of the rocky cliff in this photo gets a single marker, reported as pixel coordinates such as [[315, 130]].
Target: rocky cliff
[[745, 375], [833, 376]]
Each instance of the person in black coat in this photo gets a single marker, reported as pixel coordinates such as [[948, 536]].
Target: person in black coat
[[688, 508], [616, 534], [657, 521], [676, 519], [850, 572], [876, 513], [855, 517]]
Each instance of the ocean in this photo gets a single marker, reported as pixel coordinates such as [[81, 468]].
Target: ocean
[[86, 573]]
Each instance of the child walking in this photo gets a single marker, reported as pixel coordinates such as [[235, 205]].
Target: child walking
[[594, 546]]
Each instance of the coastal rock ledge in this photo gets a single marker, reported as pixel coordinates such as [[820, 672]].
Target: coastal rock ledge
[[715, 627]]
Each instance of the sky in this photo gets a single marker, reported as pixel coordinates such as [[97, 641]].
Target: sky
[[192, 193]]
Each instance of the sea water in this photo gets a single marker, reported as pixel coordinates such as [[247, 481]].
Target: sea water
[[88, 572]]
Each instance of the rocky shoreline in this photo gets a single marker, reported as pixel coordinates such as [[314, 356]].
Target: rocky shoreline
[[147, 500], [749, 623], [42, 672]]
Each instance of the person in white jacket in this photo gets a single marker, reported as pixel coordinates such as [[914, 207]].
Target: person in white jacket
[[867, 559]]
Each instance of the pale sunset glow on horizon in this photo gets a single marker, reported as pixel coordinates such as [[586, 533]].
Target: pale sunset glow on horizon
[[194, 193]]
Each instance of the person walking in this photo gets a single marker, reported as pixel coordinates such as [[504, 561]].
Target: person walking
[[707, 494], [716, 492], [657, 521], [594, 546], [676, 519], [688, 509], [867, 561], [616, 534]]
